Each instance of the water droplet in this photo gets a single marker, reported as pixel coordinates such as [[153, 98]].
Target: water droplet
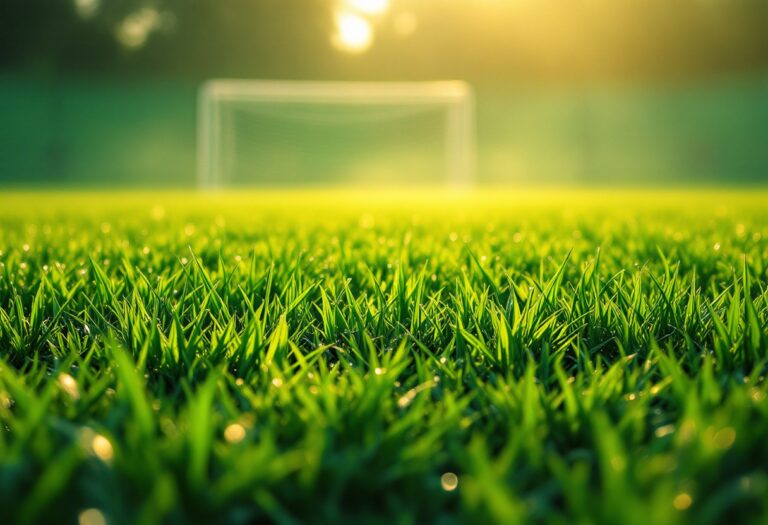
[[234, 433], [102, 448], [449, 481], [92, 517], [68, 384], [665, 430], [724, 438], [682, 501]]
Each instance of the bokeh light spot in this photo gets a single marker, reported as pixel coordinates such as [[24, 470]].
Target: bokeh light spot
[[102, 448], [682, 501], [234, 433], [406, 23], [68, 384], [449, 481], [354, 34], [368, 7], [92, 517], [86, 8]]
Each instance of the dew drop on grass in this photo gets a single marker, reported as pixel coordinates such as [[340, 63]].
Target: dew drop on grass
[[234, 433], [664, 431], [91, 517], [68, 385], [5, 400], [102, 448], [449, 481], [405, 400], [724, 438], [682, 501]]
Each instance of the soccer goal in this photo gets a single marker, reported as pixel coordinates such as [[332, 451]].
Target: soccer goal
[[295, 133]]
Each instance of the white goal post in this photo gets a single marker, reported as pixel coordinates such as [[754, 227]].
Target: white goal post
[[456, 98]]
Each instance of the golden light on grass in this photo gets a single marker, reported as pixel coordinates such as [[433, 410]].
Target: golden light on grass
[[68, 385], [6, 401], [406, 399], [757, 395], [102, 448], [682, 501], [665, 431], [92, 517], [86, 8], [449, 481], [354, 34], [136, 28], [234, 433], [725, 438]]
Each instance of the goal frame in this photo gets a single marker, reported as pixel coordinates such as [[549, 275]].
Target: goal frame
[[455, 96]]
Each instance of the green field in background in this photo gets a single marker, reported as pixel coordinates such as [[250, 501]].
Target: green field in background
[[141, 133], [335, 357]]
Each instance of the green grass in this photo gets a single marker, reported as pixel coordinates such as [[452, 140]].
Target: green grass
[[290, 358]]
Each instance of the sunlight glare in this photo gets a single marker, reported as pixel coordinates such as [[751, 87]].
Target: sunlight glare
[[368, 7], [134, 31], [406, 23], [354, 33], [86, 8]]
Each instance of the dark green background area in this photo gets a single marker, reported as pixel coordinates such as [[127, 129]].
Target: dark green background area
[[595, 92], [87, 132]]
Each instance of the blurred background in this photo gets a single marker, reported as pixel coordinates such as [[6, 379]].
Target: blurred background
[[102, 93]]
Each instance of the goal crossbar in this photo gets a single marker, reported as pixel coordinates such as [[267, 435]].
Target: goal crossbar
[[455, 96]]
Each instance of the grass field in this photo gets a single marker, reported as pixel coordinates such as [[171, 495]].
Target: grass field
[[531, 357]]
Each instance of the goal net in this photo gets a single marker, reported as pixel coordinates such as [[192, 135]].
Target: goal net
[[275, 133]]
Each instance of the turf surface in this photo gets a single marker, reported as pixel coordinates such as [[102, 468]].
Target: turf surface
[[585, 357]]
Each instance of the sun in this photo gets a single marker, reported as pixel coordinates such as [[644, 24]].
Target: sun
[[354, 34]]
